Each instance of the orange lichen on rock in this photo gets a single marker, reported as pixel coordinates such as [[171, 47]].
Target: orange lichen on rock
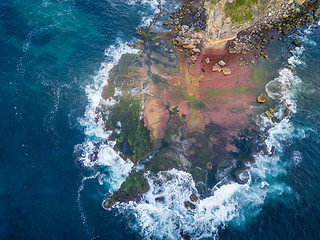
[[156, 117]]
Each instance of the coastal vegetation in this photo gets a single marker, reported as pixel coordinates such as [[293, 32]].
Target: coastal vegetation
[[240, 10]]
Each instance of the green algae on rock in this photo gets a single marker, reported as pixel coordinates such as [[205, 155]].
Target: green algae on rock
[[130, 190], [133, 139]]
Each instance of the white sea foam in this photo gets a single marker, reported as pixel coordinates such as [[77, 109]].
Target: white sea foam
[[297, 157], [88, 229], [168, 6], [166, 219], [96, 142], [231, 203], [91, 122]]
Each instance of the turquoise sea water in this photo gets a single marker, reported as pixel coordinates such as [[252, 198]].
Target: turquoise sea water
[[54, 57]]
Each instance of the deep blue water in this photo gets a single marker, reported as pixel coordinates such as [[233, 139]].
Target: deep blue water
[[50, 51]]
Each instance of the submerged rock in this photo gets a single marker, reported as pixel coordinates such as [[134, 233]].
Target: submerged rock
[[287, 112]]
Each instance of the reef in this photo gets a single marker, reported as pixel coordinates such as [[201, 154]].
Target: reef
[[184, 101]]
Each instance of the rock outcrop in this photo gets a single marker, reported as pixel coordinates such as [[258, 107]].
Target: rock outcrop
[[225, 19], [167, 111]]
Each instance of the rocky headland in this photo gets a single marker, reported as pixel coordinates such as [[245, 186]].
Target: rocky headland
[[185, 100]]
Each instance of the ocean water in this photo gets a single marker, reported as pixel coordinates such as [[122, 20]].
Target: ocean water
[[55, 57]]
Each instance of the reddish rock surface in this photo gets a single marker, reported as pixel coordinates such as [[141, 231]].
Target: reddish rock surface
[[156, 117]]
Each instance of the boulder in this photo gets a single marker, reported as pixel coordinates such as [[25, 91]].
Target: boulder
[[272, 151], [287, 112], [271, 110], [269, 114], [194, 57], [215, 68], [207, 60], [226, 71], [222, 63], [159, 199], [261, 99], [189, 205], [193, 197]]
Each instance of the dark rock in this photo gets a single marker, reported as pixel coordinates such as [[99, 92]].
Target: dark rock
[[159, 199], [272, 151], [184, 236], [287, 112], [295, 41], [189, 205]]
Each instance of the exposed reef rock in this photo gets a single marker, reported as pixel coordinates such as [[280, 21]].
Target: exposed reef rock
[[185, 100]]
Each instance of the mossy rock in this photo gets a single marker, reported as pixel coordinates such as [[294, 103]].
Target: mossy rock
[[108, 91], [131, 189], [165, 160], [120, 72], [134, 139], [147, 34]]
